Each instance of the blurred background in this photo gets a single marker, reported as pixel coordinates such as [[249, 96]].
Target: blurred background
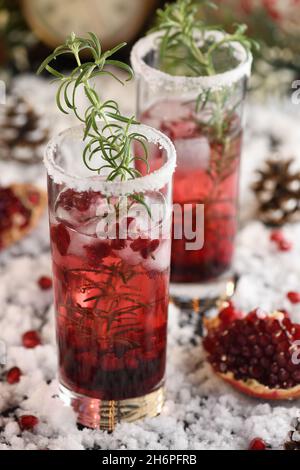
[[30, 28]]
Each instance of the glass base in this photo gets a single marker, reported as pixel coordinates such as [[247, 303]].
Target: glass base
[[102, 414], [219, 289]]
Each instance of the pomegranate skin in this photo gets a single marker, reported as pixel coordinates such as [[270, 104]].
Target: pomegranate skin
[[252, 353]]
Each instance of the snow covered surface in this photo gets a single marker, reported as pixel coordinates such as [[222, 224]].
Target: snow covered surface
[[200, 412]]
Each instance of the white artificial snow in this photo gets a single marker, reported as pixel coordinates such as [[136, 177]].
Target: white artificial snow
[[201, 412]]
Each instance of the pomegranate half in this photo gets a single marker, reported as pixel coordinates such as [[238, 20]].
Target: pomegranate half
[[256, 353]]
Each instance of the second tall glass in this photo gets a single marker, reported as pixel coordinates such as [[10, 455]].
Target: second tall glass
[[203, 117]]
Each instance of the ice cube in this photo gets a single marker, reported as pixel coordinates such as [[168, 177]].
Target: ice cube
[[130, 257], [160, 258], [193, 153], [170, 110]]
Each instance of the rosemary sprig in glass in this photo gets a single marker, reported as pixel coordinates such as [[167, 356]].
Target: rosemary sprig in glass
[[109, 148], [185, 47]]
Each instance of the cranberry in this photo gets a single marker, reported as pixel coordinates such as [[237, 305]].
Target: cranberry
[[28, 422], [257, 444], [31, 339], [13, 375], [45, 282], [294, 297], [61, 238]]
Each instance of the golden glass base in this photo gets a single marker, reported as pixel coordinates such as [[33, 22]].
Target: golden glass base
[[105, 415]]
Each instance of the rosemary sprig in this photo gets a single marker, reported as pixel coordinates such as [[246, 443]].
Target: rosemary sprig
[[186, 48], [109, 148], [184, 43]]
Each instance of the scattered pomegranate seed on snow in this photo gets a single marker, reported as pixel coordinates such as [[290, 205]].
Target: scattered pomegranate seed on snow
[[45, 282], [294, 297], [28, 422], [31, 339], [13, 375], [257, 444]]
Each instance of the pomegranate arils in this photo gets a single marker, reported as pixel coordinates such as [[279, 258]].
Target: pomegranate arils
[[34, 198], [45, 282], [255, 348], [282, 243], [258, 444], [61, 237], [153, 245], [97, 252], [228, 314], [145, 246], [28, 422], [276, 236], [13, 375], [31, 339], [80, 201], [285, 245], [294, 297], [12, 211]]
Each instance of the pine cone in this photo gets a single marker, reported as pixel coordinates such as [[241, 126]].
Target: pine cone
[[278, 193], [24, 132], [294, 436]]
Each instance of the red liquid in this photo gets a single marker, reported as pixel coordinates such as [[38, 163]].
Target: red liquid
[[207, 173], [111, 301]]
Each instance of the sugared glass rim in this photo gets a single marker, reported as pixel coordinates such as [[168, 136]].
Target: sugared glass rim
[[157, 78], [152, 182]]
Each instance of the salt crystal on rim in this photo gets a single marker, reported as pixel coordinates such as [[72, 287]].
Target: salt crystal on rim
[[158, 79], [151, 182]]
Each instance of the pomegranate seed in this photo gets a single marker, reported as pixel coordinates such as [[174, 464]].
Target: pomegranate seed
[[285, 245], [31, 339], [45, 282], [13, 375], [97, 252], [294, 297], [34, 198], [228, 314], [61, 238], [257, 346], [257, 444], [145, 252], [139, 244], [28, 422], [276, 236]]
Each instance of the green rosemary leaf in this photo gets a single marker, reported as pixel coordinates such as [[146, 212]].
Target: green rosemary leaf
[[106, 129], [113, 51], [121, 65], [140, 199]]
